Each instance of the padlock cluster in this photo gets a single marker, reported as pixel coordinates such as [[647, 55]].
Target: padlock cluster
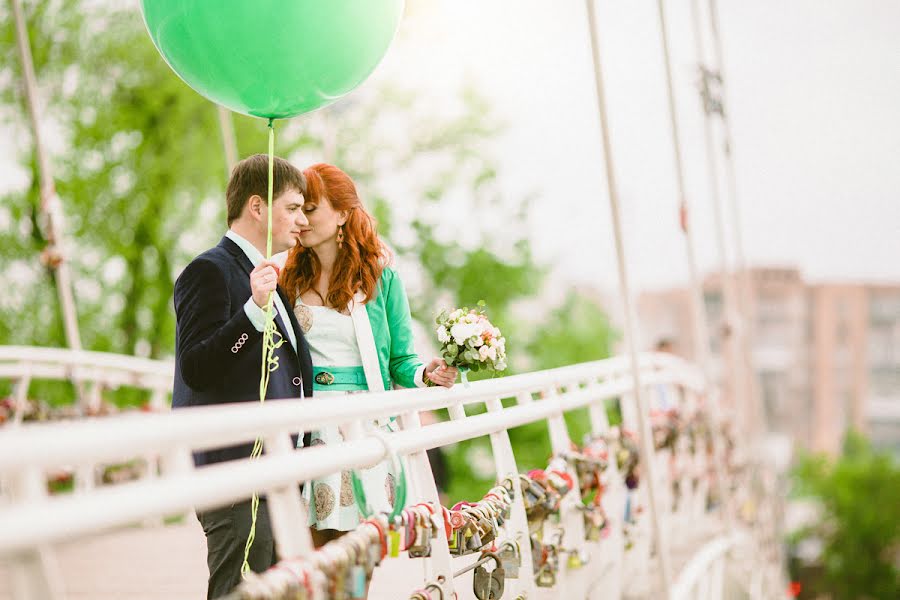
[[666, 425], [476, 525], [624, 446], [542, 494], [590, 464], [342, 569]]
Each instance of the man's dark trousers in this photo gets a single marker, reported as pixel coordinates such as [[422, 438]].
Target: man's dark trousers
[[226, 532]]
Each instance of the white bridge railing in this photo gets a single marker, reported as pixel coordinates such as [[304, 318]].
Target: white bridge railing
[[31, 521], [91, 372]]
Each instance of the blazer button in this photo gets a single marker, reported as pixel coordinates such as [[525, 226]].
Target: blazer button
[[297, 381]]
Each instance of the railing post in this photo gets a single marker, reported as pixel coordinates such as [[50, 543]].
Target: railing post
[[20, 397], [437, 568], [570, 582], [287, 514], [517, 526], [178, 461]]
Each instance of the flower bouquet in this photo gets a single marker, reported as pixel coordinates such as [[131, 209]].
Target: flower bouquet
[[470, 342]]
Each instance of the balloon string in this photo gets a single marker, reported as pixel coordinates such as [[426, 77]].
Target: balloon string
[[271, 178], [272, 340]]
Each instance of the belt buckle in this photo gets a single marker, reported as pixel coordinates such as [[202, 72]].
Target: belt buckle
[[324, 378]]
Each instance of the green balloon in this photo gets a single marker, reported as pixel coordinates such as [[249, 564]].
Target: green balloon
[[272, 58]]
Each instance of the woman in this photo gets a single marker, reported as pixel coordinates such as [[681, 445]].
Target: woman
[[355, 315]]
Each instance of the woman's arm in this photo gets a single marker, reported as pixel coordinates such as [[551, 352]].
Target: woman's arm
[[405, 367]]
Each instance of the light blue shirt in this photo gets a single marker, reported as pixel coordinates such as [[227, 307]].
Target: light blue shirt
[[257, 315]]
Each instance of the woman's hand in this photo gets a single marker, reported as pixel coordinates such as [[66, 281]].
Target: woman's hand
[[439, 373]]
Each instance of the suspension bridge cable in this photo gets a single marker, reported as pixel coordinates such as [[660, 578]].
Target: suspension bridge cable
[[647, 450]]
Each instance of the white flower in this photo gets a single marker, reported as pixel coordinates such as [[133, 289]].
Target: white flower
[[442, 334], [458, 331], [476, 341], [461, 332], [484, 352], [456, 314]]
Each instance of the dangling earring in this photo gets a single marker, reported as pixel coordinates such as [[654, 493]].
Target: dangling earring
[[340, 236]]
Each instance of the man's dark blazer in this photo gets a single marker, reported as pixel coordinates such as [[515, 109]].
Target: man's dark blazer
[[218, 350]]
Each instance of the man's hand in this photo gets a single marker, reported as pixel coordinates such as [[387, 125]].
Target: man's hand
[[439, 373], [263, 281]]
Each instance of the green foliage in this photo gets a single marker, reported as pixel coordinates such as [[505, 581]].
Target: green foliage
[[859, 494], [577, 331]]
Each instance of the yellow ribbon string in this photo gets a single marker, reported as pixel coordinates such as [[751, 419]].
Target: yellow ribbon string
[[269, 360]]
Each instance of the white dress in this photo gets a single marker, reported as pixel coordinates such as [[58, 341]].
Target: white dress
[[331, 337]]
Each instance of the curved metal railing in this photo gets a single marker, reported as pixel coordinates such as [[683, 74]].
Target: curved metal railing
[[32, 521]]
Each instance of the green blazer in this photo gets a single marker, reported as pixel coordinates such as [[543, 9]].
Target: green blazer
[[391, 323]]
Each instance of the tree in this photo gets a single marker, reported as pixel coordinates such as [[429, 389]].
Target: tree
[[859, 495]]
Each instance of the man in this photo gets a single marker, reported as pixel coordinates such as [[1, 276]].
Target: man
[[219, 305]]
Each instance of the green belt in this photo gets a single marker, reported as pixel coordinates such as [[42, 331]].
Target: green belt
[[339, 379]]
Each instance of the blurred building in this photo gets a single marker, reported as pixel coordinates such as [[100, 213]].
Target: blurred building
[[826, 356]]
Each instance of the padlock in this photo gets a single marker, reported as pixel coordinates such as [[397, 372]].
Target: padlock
[[472, 537], [455, 543], [356, 582], [488, 585], [546, 577], [339, 582], [594, 523], [577, 559], [486, 531], [373, 558], [421, 548], [511, 559]]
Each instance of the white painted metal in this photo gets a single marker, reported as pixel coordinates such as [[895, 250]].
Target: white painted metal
[[703, 577], [698, 311], [32, 521], [729, 292], [91, 372], [642, 413]]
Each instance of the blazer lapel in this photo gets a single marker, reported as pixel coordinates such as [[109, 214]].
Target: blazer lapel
[[247, 266], [293, 320], [238, 255]]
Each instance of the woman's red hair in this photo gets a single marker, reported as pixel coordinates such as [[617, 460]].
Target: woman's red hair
[[361, 259]]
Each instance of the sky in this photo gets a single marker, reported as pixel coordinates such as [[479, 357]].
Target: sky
[[813, 91]]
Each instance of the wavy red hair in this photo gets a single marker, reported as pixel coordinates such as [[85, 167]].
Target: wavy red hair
[[363, 255]]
